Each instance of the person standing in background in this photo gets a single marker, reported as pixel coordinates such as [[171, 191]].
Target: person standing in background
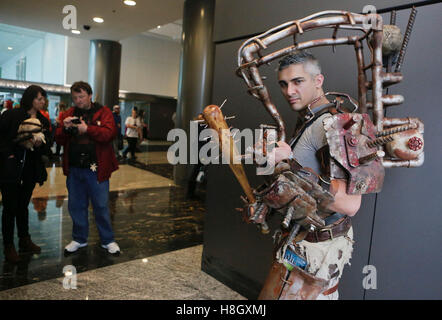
[[61, 108], [44, 110], [118, 141], [133, 126], [50, 141], [142, 134], [7, 105]]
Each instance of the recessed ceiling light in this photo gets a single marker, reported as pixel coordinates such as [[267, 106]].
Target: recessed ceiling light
[[76, 31], [158, 27], [10, 48], [129, 2], [98, 19]]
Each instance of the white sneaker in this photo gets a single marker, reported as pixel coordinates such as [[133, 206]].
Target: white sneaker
[[112, 248], [74, 246]]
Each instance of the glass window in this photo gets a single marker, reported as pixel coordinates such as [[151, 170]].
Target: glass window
[[31, 55]]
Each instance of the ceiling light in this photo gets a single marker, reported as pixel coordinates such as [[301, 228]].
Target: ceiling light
[[158, 27], [98, 20], [129, 2], [10, 48], [76, 31]]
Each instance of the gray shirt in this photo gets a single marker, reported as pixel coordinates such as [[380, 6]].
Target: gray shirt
[[311, 140]]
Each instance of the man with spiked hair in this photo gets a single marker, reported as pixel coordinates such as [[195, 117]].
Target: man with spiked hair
[[327, 250]]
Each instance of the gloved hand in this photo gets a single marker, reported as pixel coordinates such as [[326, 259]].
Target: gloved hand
[[255, 212]]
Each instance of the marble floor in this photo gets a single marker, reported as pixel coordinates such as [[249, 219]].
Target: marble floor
[[171, 276], [159, 231]]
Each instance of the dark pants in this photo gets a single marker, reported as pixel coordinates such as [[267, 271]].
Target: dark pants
[[15, 198], [191, 186], [58, 149], [132, 146]]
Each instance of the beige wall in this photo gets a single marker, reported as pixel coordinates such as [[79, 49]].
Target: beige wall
[[77, 60], [148, 64]]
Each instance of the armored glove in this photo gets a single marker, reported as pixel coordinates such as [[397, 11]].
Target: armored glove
[[292, 191]]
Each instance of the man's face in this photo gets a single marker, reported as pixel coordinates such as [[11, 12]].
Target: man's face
[[298, 86], [117, 110], [82, 99]]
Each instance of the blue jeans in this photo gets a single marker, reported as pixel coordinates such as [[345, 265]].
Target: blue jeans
[[83, 185]]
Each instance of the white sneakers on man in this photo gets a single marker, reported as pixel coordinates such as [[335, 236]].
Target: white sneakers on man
[[112, 248], [74, 246]]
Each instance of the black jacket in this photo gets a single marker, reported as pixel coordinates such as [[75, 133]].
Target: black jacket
[[27, 165]]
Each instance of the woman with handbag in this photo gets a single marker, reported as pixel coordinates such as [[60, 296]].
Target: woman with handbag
[[23, 136]]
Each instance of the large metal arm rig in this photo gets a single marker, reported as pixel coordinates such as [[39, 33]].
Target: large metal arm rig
[[360, 144], [400, 138]]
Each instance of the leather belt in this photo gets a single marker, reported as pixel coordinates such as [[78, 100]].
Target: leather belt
[[330, 290], [337, 229]]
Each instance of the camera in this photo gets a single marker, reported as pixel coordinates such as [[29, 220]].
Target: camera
[[76, 121], [71, 130]]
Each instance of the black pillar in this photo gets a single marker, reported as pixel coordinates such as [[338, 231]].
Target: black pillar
[[196, 68], [104, 71]]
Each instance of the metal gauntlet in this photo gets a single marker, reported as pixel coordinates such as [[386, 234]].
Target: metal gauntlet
[[292, 191]]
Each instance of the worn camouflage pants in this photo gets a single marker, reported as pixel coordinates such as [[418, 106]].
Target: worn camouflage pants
[[326, 260]]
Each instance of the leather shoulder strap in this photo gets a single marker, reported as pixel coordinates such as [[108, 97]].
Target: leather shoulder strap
[[332, 110]]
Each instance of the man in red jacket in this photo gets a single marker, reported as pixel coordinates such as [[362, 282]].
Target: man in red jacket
[[86, 132]]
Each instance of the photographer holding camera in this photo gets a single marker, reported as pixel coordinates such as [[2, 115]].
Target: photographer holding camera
[[88, 162]]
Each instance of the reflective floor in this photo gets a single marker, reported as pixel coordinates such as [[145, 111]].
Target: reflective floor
[[150, 216], [175, 275]]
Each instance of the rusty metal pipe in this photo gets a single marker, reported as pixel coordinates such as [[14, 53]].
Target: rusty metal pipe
[[306, 24], [362, 90], [388, 79], [392, 99], [305, 45], [404, 163], [390, 122], [265, 98], [391, 77]]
